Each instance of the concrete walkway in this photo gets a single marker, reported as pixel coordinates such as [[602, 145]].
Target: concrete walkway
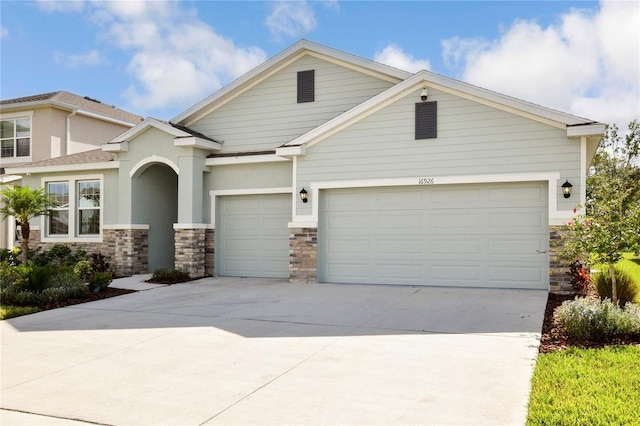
[[247, 351]]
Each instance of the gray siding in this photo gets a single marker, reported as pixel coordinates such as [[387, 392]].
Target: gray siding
[[472, 139], [244, 176], [268, 115]]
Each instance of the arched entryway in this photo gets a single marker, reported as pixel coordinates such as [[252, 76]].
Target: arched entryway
[[154, 192]]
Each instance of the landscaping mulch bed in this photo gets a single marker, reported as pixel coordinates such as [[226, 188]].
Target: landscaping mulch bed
[[104, 294], [554, 337]]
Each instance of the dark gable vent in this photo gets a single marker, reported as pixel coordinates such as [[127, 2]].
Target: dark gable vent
[[306, 86], [426, 120]]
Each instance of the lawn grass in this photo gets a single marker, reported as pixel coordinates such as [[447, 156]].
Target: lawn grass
[[7, 312], [586, 387]]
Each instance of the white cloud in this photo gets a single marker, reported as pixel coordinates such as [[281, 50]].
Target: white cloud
[[176, 59], [394, 56], [90, 58], [60, 5], [291, 18], [587, 64]]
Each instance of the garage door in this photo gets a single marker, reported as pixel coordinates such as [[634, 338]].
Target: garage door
[[484, 235], [252, 238]]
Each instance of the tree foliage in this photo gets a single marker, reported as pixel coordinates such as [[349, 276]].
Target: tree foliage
[[24, 204], [611, 224]]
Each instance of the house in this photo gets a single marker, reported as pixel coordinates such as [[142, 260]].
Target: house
[[51, 125], [320, 166]]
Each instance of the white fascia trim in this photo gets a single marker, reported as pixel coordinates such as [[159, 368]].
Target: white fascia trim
[[302, 222], [195, 142], [595, 129], [244, 159], [105, 118], [291, 151], [154, 159], [251, 191], [279, 61], [64, 168], [192, 226], [9, 178], [126, 226], [144, 125], [550, 177], [116, 147], [19, 114]]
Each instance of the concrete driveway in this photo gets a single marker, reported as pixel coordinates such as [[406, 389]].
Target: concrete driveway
[[247, 351]]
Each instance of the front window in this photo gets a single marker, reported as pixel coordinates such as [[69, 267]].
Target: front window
[[15, 137], [79, 210], [89, 207], [59, 217]]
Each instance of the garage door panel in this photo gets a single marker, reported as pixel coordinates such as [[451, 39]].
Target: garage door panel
[[519, 219], [349, 221], [530, 194], [484, 235], [398, 220], [515, 275], [452, 221], [356, 247], [455, 247], [505, 247], [452, 273], [398, 248], [252, 238]]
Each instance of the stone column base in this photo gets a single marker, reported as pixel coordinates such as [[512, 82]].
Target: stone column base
[[191, 250], [559, 281], [303, 255]]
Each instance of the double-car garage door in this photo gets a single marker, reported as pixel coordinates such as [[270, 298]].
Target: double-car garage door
[[480, 235]]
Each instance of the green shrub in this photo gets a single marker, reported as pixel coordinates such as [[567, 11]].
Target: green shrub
[[59, 254], [169, 276], [585, 318], [40, 278], [12, 257], [98, 281], [66, 277], [19, 297], [63, 293], [11, 275], [627, 289], [82, 269]]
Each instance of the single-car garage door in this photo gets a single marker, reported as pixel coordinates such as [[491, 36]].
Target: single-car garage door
[[480, 235], [252, 238]]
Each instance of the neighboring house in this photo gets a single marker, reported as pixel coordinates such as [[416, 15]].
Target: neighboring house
[[322, 166], [51, 125]]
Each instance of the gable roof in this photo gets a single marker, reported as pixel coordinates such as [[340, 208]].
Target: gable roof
[[175, 130], [278, 62], [70, 101], [87, 160], [575, 126]]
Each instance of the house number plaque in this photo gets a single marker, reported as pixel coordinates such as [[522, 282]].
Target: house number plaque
[[425, 181]]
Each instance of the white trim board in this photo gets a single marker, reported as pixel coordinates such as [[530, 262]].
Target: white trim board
[[251, 191], [551, 177], [244, 159]]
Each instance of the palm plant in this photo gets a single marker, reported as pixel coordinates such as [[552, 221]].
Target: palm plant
[[24, 204]]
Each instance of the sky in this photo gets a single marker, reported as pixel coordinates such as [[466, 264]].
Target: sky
[[158, 58]]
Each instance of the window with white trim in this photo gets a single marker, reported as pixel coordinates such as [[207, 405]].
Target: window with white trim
[[15, 137], [79, 211]]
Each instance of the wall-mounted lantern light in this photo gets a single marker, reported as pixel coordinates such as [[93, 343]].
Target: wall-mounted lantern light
[[566, 189], [423, 95], [303, 195]]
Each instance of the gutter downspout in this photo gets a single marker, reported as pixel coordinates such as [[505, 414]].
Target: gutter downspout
[[68, 142]]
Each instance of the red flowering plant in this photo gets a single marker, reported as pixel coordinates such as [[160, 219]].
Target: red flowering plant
[[580, 279]]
